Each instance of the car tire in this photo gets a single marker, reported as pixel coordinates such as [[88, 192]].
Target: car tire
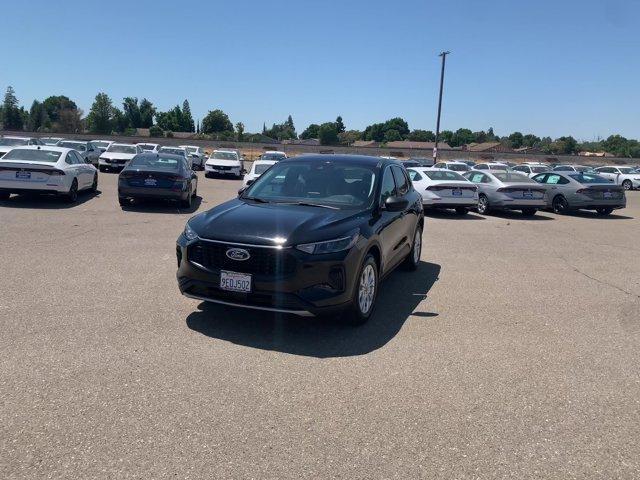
[[365, 293], [94, 185], [72, 194], [627, 185], [102, 169], [412, 260], [604, 211], [483, 204], [462, 210], [560, 205], [207, 175], [529, 212]]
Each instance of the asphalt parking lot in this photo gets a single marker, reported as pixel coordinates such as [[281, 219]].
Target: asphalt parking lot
[[513, 351]]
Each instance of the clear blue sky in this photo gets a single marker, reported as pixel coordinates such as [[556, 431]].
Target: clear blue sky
[[551, 67]]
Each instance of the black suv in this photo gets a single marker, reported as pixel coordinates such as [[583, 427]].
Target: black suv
[[312, 236]]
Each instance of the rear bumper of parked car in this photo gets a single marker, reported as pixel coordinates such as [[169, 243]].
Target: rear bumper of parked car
[[307, 285], [7, 186], [151, 193], [449, 202], [517, 204]]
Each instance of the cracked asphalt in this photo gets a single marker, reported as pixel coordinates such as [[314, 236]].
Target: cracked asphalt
[[513, 352]]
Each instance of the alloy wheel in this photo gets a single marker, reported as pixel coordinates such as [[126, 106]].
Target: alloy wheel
[[367, 289]]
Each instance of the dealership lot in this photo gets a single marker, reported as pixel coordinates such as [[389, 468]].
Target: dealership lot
[[512, 351]]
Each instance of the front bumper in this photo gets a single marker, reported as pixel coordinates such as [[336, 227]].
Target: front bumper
[[222, 170], [112, 163], [310, 285]]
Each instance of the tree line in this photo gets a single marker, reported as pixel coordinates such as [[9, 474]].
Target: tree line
[[60, 114]]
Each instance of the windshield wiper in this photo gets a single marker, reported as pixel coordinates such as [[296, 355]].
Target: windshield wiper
[[256, 199], [308, 204]]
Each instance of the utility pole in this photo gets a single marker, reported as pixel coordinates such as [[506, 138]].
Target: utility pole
[[435, 149]]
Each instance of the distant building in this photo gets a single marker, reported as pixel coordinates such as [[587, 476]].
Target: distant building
[[536, 150], [487, 147], [365, 143], [308, 141], [417, 145]]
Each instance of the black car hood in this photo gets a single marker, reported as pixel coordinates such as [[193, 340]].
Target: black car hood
[[272, 224]]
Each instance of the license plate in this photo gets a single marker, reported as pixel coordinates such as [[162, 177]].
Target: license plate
[[235, 282], [23, 175], [456, 193], [607, 194], [150, 182], [527, 194]]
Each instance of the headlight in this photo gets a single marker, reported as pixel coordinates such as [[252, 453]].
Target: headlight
[[330, 246], [189, 233]]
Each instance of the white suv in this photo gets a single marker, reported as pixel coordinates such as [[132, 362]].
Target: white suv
[[224, 162], [197, 155]]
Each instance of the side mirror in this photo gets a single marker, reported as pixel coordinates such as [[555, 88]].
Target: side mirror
[[241, 191], [395, 204], [249, 182]]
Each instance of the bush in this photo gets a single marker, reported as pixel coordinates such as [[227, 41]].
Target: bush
[[156, 131], [130, 132], [169, 134]]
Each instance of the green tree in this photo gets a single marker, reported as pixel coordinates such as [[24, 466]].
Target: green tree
[[147, 112], [132, 112], [392, 135], [340, 125], [515, 140], [530, 140], [350, 136], [312, 131], [421, 136], [216, 121], [38, 118], [155, 131], [56, 104], [240, 130], [462, 136], [290, 125], [120, 121], [328, 134], [187, 120], [374, 132], [446, 136], [377, 131], [100, 118], [12, 117]]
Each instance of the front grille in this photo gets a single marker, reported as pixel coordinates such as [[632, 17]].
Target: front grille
[[223, 168], [287, 301], [262, 261]]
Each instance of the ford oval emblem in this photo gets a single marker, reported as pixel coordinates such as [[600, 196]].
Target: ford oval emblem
[[239, 254]]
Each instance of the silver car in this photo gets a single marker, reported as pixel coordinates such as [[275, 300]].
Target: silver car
[[87, 150], [507, 191], [197, 155], [568, 191]]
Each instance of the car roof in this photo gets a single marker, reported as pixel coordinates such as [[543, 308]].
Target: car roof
[[226, 150], [156, 155], [189, 146], [124, 144], [354, 159], [50, 148], [275, 151]]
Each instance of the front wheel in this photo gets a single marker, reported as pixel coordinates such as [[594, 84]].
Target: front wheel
[[364, 298], [604, 211], [627, 185], [560, 205], [483, 204]]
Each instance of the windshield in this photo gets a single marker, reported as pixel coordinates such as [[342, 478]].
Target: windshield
[[225, 156], [50, 141], [13, 142], [172, 151], [583, 169], [512, 177], [458, 167], [160, 161], [147, 146], [100, 144], [626, 170], [498, 167], [261, 168], [74, 145], [442, 175], [273, 156], [191, 149], [589, 178], [33, 155], [122, 149], [539, 169], [338, 184]]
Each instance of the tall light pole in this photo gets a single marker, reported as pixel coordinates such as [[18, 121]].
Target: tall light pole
[[435, 148]]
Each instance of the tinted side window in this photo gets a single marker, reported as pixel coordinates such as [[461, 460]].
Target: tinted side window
[[481, 167], [401, 180], [414, 176], [388, 188], [540, 178]]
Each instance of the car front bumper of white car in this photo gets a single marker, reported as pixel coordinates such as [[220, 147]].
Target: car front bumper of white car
[[222, 169]]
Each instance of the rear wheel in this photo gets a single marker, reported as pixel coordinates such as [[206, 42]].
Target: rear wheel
[[413, 259], [364, 297], [187, 202], [72, 195], [462, 210], [560, 205], [627, 185], [604, 211], [529, 212], [483, 204]]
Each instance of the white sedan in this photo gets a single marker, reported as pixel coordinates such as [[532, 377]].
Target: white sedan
[[118, 155], [45, 169], [257, 169], [444, 189], [626, 177], [224, 162]]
